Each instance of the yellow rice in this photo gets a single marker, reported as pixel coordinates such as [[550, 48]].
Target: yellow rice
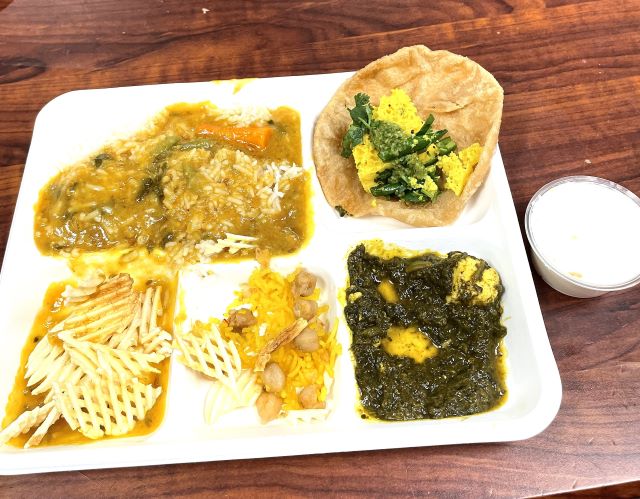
[[268, 295]]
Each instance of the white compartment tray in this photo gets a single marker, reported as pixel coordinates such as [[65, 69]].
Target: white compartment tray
[[76, 124]]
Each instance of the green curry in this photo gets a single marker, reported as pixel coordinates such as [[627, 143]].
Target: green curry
[[426, 334]]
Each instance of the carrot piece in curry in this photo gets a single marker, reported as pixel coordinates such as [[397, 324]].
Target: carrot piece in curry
[[257, 136]]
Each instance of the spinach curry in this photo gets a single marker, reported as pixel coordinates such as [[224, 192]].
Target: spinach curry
[[426, 333]]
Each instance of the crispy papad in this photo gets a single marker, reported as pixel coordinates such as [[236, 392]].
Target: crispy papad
[[464, 98]]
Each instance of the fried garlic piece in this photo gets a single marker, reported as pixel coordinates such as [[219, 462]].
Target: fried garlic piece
[[285, 336]]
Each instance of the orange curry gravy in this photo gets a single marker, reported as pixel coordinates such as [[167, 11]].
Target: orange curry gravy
[[162, 188], [52, 312]]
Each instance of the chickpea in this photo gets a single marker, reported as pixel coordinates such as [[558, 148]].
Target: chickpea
[[241, 318], [305, 309], [268, 406], [304, 284], [273, 377], [307, 340], [308, 398]]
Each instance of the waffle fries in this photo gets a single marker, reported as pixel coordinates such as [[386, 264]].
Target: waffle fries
[[221, 399], [106, 313], [109, 362], [95, 367], [104, 406], [84, 289], [25, 422], [204, 350]]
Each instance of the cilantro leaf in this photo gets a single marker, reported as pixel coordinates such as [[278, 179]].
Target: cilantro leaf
[[362, 112], [353, 137], [361, 115]]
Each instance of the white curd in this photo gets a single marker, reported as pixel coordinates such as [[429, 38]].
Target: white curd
[[589, 230]]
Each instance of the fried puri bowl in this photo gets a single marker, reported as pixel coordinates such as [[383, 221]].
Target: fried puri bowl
[[463, 97]]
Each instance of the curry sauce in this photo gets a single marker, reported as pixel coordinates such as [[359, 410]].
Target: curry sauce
[[192, 176]]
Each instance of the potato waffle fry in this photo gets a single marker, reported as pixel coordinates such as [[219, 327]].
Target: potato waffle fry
[[204, 350], [41, 431], [128, 338], [84, 289], [107, 312], [104, 406], [102, 361], [93, 366], [45, 361], [25, 422], [221, 399], [49, 362], [157, 341], [143, 331], [307, 415], [152, 338]]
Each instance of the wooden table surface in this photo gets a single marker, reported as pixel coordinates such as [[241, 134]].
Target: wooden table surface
[[571, 75]]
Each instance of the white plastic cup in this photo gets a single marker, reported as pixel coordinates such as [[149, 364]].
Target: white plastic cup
[[543, 257]]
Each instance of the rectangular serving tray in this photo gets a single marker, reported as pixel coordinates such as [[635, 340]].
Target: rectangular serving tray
[[76, 124]]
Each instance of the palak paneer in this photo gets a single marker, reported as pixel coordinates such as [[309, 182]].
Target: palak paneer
[[426, 333]]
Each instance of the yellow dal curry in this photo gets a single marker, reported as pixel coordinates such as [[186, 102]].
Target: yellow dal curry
[[197, 173]]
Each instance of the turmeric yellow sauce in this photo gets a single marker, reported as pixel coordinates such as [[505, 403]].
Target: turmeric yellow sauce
[[193, 175], [51, 313]]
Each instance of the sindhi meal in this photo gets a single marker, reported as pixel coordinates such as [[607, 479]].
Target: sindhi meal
[[275, 349], [426, 333], [410, 136], [199, 183]]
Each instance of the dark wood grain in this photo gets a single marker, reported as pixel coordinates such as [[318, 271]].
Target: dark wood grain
[[571, 74]]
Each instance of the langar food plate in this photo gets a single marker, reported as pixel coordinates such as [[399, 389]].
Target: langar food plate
[[189, 289]]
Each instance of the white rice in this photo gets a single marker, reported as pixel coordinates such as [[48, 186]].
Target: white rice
[[245, 116]]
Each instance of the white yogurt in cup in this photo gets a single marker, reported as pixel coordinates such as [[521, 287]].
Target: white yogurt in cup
[[585, 235]]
